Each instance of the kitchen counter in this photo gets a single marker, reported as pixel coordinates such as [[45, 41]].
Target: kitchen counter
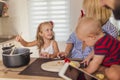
[[13, 73]]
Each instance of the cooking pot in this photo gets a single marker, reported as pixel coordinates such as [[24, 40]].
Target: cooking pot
[[20, 57]]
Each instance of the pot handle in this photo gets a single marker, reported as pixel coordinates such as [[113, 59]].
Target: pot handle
[[5, 48], [30, 52]]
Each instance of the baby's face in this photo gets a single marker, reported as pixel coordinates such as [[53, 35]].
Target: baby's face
[[89, 40], [87, 30]]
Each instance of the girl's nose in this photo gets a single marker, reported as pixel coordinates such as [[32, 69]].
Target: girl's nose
[[50, 32]]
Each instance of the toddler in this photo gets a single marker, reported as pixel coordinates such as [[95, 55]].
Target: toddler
[[106, 48]]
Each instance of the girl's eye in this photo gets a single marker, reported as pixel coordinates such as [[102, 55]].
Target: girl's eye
[[51, 29], [47, 29]]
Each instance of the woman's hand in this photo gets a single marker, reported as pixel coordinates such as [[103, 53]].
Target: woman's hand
[[62, 55]]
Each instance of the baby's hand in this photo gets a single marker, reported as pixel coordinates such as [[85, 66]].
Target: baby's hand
[[61, 55], [86, 61]]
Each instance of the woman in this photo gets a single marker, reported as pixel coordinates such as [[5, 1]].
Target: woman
[[76, 47], [92, 8]]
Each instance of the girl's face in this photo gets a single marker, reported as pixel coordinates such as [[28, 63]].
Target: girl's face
[[47, 31]]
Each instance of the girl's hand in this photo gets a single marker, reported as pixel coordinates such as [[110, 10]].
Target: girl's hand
[[45, 55], [19, 38]]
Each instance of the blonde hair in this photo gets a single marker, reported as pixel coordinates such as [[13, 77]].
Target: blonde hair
[[40, 38], [93, 9], [89, 24]]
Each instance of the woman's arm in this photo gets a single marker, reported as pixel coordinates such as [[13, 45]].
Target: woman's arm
[[110, 29], [68, 49]]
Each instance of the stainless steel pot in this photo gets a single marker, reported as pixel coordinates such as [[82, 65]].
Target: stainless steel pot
[[20, 57]]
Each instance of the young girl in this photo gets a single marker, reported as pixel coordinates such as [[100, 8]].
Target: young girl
[[44, 40]]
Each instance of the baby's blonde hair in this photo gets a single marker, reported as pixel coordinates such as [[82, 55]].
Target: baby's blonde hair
[[93, 9], [40, 38], [89, 25]]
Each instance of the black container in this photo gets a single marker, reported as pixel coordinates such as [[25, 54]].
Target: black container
[[20, 57]]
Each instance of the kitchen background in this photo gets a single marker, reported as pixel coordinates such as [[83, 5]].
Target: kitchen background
[[18, 20]]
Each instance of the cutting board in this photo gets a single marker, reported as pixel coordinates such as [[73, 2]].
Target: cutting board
[[34, 69], [55, 66]]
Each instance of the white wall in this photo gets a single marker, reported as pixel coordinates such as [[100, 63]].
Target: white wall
[[75, 7], [18, 17], [17, 21]]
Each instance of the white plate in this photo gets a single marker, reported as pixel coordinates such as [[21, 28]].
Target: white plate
[[55, 66]]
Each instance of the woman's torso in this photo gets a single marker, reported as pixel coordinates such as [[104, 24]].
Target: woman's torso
[[77, 51]]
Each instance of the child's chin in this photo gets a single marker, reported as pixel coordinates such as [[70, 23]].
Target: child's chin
[[90, 45], [49, 37]]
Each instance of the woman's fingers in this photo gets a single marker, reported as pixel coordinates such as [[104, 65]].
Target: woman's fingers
[[61, 55]]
